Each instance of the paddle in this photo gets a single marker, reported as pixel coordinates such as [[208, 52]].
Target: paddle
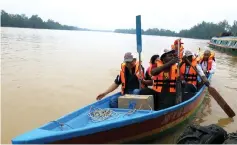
[[139, 43], [178, 83], [219, 99]]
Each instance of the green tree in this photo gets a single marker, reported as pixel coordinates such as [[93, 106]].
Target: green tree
[[233, 29], [203, 30], [12, 20]]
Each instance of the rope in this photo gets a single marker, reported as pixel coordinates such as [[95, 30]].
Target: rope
[[98, 114], [134, 110]]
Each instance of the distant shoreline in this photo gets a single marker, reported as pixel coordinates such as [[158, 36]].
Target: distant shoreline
[[160, 35], [204, 30], [59, 29], [108, 31]]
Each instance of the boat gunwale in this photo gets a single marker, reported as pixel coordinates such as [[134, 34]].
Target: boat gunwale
[[225, 38], [223, 46]]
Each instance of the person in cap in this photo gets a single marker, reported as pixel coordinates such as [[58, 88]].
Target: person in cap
[[188, 74], [207, 62], [177, 43], [164, 79], [128, 79]]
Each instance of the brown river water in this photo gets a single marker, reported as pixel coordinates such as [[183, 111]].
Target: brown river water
[[46, 74]]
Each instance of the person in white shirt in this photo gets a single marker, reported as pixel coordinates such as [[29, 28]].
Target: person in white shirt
[[189, 75], [208, 63]]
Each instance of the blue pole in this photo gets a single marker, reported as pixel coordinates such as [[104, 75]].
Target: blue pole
[[139, 42]]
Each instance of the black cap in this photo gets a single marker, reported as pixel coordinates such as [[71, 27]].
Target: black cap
[[164, 54]]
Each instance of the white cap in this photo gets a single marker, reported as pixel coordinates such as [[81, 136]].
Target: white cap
[[166, 50], [188, 53], [128, 57]]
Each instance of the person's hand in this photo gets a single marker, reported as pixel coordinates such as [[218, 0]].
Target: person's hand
[[174, 60], [143, 81], [100, 96], [205, 81], [139, 76]]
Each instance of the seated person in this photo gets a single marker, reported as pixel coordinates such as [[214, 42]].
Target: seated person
[[128, 78], [164, 81], [152, 65], [189, 75], [207, 62]]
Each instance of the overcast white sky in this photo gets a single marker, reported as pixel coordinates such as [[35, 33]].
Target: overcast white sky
[[111, 14]]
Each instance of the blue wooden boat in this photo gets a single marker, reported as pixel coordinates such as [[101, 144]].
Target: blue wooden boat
[[122, 127]]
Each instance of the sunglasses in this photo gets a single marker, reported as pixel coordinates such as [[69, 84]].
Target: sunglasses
[[129, 62]]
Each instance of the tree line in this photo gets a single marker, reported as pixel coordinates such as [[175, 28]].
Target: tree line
[[204, 30], [22, 21]]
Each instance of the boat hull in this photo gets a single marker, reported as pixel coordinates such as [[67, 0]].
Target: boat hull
[[228, 50], [142, 131], [224, 44]]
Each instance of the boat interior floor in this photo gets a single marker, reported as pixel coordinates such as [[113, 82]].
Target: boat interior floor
[[85, 118]]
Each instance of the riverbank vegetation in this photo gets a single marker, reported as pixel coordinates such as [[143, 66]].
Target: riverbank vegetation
[[203, 30], [22, 21]]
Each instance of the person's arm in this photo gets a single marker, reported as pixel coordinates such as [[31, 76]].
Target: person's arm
[[147, 82], [111, 88], [147, 79], [199, 69], [158, 70], [114, 86], [213, 67]]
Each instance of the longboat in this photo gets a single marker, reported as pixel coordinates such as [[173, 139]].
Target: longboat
[[122, 127]]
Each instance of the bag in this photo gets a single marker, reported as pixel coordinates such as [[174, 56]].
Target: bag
[[211, 134], [231, 139]]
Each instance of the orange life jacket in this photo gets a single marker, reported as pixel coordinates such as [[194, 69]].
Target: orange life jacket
[[123, 78], [159, 80], [191, 77], [209, 62], [181, 50], [137, 71]]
